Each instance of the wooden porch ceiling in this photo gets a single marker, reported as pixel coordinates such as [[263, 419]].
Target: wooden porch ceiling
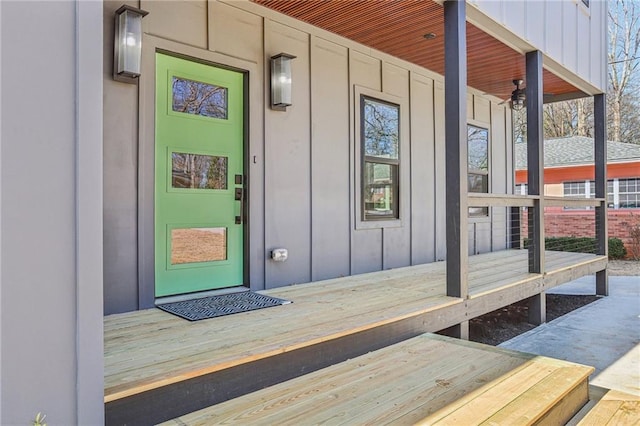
[[398, 27]]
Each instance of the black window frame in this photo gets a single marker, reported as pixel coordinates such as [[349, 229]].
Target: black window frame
[[394, 163]]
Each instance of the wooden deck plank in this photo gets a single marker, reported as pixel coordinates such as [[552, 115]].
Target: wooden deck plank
[[344, 392], [413, 361], [484, 402], [513, 281], [385, 400], [428, 395], [616, 408], [147, 349], [179, 361], [628, 414], [395, 385], [349, 373], [303, 315], [527, 408], [305, 312], [555, 263]]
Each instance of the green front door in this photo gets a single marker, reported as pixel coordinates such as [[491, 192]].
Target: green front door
[[198, 177]]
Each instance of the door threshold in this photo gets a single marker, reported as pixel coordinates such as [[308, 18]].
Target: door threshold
[[200, 294]]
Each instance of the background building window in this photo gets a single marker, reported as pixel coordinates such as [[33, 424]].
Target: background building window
[[478, 165], [587, 189], [522, 189], [380, 158], [629, 193]]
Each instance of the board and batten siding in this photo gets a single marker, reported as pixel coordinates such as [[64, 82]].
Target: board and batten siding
[[51, 319], [303, 163], [568, 31]]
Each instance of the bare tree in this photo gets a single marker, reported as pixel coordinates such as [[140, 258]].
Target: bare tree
[[571, 118], [575, 118], [624, 47]]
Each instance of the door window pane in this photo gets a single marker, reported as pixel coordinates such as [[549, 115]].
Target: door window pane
[[198, 171], [195, 97], [194, 245]]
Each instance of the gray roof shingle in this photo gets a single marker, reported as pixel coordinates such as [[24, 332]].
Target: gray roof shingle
[[577, 150]]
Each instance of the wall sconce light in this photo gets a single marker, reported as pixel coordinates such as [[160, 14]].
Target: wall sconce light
[[281, 81], [128, 44]]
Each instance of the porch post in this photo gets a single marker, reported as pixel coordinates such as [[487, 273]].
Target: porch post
[[535, 173], [455, 84], [459, 331], [600, 147], [535, 160]]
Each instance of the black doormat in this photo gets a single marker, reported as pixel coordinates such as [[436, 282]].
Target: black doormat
[[224, 304]]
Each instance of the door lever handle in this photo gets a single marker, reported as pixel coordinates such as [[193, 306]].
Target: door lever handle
[[239, 196]]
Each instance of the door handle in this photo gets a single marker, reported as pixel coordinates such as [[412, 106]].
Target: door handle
[[239, 196]]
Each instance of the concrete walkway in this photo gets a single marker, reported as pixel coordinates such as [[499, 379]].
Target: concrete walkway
[[604, 334]]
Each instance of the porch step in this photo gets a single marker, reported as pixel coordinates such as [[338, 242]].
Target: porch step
[[614, 408], [429, 379]]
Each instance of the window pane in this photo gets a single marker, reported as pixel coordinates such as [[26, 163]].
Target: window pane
[[192, 245], [198, 171], [574, 189], [629, 193], [522, 189], [478, 165], [380, 128], [380, 191], [478, 149], [478, 211], [478, 183], [194, 97]]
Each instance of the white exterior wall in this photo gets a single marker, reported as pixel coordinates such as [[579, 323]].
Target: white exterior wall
[[51, 212], [572, 36]]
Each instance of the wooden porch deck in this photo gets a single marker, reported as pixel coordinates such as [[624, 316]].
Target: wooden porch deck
[[426, 380], [152, 356]]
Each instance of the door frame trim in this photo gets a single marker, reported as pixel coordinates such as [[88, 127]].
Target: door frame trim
[[253, 135]]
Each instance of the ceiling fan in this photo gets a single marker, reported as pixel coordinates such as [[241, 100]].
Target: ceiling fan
[[518, 96]]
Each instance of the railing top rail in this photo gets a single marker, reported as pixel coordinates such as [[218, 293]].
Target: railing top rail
[[501, 200], [511, 200]]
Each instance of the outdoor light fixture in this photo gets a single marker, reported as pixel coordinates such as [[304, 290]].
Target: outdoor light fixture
[[518, 96], [281, 81], [128, 44]]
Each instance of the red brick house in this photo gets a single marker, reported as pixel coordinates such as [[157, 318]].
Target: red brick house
[[569, 172]]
